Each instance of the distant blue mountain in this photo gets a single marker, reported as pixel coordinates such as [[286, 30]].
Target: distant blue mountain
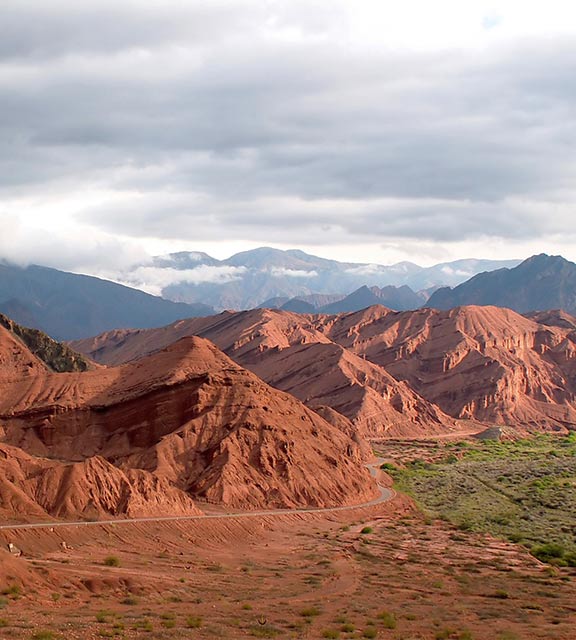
[[69, 306], [250, 278]]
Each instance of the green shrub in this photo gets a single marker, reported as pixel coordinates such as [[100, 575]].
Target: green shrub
[[112, 561], [12, 590], [193, 622], [367, 530], [551, 552], [388, 619], [168, 623], [451, 633], [144, 625], [102, 617], [264, 631]]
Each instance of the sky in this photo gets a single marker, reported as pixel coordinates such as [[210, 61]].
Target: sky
[[360, 130]]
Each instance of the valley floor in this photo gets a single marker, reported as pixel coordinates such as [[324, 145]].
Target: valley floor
[[379, 572]]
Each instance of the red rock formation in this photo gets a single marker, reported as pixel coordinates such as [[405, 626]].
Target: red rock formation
[[184, 419], [397, 374], [34, 487], [292, 352], [482, 363]]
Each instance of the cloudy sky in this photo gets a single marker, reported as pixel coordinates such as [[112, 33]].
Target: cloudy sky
[[368, 130]]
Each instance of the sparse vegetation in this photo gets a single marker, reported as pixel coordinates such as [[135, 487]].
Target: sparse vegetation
[[43, 635], [387, 619], [554, 553], [168, 620], [144, 625], [524, 491], [13, 591], [193, 622], [453, 634], [102, 617], [264, 631]]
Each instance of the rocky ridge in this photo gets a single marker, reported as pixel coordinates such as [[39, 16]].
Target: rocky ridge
[[412, 373]]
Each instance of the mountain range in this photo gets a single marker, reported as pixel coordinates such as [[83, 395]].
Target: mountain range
[[392, 374], [250, 278], [70, 306], [268, 407], [398, 298]]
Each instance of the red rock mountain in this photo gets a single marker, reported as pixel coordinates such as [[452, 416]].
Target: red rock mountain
[[483, 363], [394, 373], [146, 437], [293, 352]]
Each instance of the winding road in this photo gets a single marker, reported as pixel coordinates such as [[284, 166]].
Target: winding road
[[385, 495]]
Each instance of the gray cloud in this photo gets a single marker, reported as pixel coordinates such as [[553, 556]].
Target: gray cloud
[[33, 30], [218, 124]]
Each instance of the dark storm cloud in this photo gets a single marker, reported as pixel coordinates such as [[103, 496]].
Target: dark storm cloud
[[223, 129]]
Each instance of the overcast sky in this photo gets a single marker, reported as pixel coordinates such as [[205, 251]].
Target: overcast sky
[[367, 130]]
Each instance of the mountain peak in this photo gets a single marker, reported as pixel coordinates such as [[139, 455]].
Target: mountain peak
[[540, 282], [542, 260]]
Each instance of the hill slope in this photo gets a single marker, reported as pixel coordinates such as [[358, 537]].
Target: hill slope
[[540, 283], [184, 422], [293, 352], [481, 363], [68, 306]]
